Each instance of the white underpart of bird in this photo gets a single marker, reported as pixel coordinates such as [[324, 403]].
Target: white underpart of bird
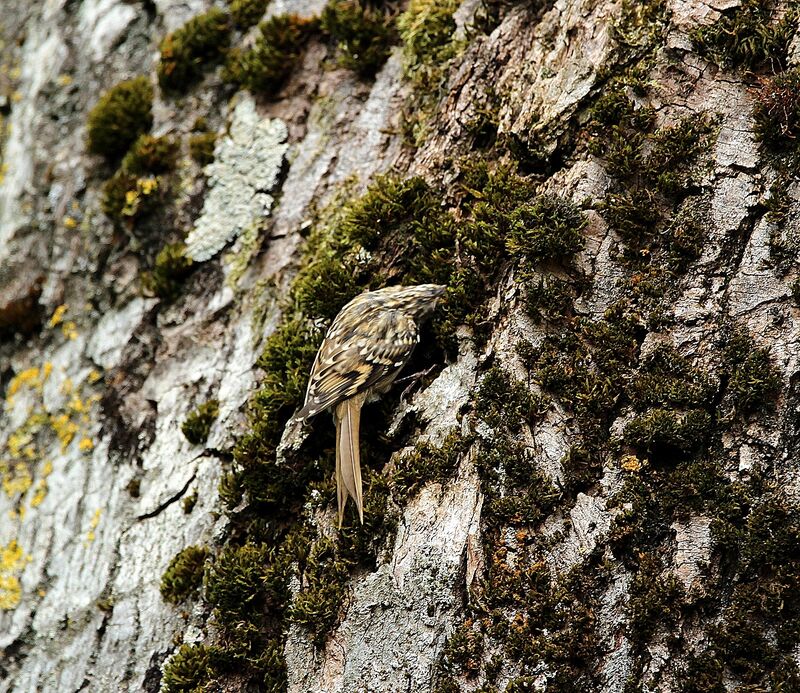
[[367, 345]]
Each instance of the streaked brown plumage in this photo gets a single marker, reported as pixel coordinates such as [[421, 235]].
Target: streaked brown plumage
[[367, 345]]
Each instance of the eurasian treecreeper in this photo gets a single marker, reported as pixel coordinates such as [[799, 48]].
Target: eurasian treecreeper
[[367, 345]]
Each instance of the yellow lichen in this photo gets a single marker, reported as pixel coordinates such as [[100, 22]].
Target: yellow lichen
[[95, 521], [12, 562], [630, 463], [27, 378], [58, 315], [69, 330], [69, 222], [86, 445]]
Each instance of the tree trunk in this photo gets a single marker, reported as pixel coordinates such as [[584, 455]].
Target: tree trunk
[[586, 479]]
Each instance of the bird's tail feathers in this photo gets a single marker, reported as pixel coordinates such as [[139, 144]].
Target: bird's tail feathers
[[348, 455]]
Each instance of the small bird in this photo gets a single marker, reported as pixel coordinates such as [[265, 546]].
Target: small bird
[[367, 345]]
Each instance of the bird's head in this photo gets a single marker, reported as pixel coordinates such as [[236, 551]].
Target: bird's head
[[419, 300]]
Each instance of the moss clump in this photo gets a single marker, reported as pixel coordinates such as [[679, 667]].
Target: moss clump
[[747, 36], [127, 197], [235, 582], [505, 403], [246, 13], [188, 503], [463, 652], [754, 381], [667, 378], [184, 575], [170, 271], [201, 147], [151, 155], [198, 424], [663, 434], [189, 670], [426, 29], [363, 35], [277, 49], [317, 607], [185, 53], [138, 186], [547, 229], [517, 494], [119, 117], [428, 463], [286, 361], [656, 171], [656, 599], [777, 111]]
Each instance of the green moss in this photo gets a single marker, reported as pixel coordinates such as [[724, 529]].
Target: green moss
[[360, 544], [198, 424], [170, 271], [235, 583], [428, 463], [685, 236], [189, 670], [656, 599], [265, 66], [747, 36], [516, 493], [633, 215], [549, 298], [754, 381], [151, 155], [503, 402], [777, 111], [119, 117], [187, 52], [550, 621], [674, 149], [246, 13], [666, 378], [665, 434], [463, 653], [426, 30], [188, 503], [547, 229], [184, 575], [201, 147], [317, 606], [363, 35], [127, 198]]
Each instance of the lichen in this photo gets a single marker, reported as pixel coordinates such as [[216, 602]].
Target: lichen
[[248, 163], [184, 574], [119, 117], [185, 53], [198, 424]]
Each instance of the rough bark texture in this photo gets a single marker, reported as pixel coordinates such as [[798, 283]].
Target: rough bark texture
[[595, 485]]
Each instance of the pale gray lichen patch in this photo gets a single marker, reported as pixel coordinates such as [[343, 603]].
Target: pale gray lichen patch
[[246, 167]]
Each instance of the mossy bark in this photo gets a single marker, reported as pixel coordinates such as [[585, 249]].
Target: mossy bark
[[589, 480]]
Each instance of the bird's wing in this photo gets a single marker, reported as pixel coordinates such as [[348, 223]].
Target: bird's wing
[[356, 355]]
